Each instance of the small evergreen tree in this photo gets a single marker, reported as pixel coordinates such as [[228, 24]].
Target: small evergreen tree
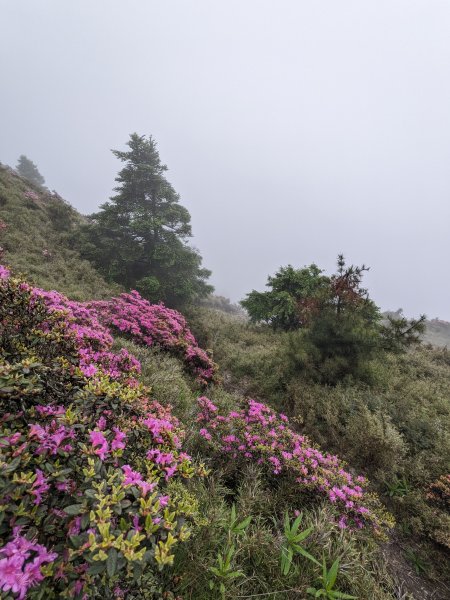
[[139, 238], [29, 171]]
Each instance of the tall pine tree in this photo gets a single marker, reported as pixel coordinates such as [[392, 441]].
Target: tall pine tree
[[29, 171], [139, 238]]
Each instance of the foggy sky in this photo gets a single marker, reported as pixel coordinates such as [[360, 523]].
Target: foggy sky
[[293, 130]]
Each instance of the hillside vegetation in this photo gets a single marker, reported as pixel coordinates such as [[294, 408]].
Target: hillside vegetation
[[147, 454], [36, 228]]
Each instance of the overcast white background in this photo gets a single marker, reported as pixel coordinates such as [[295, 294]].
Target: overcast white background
[[293, 130]]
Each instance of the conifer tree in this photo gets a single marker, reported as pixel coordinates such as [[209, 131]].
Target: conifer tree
[[29, 171], [139, 238]]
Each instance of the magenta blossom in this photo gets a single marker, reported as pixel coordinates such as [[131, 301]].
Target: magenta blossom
[[100, 444], [258, 434], [20, 565]]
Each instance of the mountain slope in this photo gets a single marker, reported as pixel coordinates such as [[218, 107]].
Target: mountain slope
[[35, 228], [437, 333], [395, 431]]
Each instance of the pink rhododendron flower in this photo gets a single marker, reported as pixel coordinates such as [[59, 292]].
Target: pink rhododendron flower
[[100, 443], [50, 437], [135, 478], [20, 564], [118, 442], [39, 487]]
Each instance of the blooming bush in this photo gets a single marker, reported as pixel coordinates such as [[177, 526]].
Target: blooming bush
[[130, 315], [31, 195], [258, 434], [154, 324], [88, 462]]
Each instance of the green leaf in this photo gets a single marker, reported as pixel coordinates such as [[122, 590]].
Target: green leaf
[[332, 574], [233, 515], [85, 521], [288, 554], [74, 509], [243, 525], [287, 525], [12, 465], [296, 524], [234, 574], [96, 568], [229, 557], [111, 562], [77, 540], [302, 535], [306, 554]]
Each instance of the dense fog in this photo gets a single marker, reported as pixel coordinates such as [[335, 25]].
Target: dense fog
[[292, 130]]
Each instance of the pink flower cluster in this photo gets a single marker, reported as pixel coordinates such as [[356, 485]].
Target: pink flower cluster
[[132, 441], [156, 325], [134, 478], [165, 433], [20, 564], [260, 435], [131, 315], [50, 438], [94, 340], [114, 365], [31, 195], [4, 272], [39, 487], [101, 445]]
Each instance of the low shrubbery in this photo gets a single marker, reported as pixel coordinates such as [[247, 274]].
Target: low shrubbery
[[87, 463], [98, 491], [132, 316], [395, 430], [256, 434], [154, 324]]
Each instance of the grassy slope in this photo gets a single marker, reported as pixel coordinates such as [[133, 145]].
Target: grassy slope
[[247, 357], [44, 223], [397, 427], [364, 571]]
